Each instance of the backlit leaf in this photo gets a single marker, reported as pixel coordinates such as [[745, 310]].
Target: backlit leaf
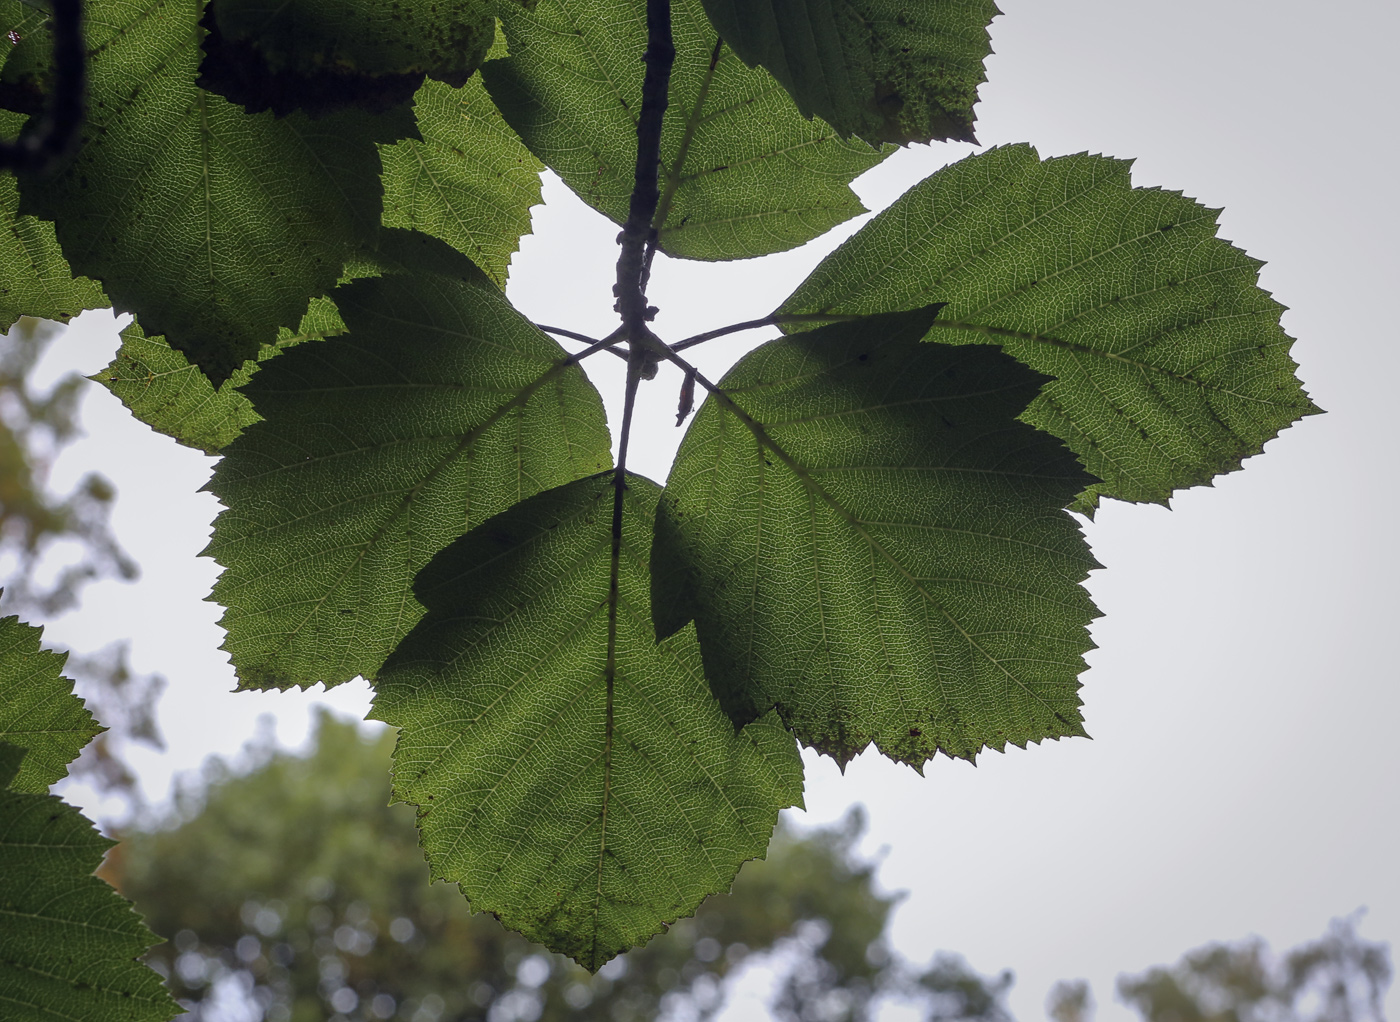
[[68, 942], [326, 55], [440, 407], [743, 172], [213, 225], [35, 279], [470, 181], [881, 553], [571, 774], [885, 70], [38, 711], [1169, 362]]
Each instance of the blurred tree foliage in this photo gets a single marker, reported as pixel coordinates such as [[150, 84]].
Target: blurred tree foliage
[[292, 893], [1339, 978], [34, 429]]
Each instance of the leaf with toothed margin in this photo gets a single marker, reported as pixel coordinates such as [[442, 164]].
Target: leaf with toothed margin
[[35, 279], [885, 70], [68, 942], [743, 173], [214, 226], [38, 711], [1170, 365], [470, 181], [571, 774], [439, 407], [876, 547], [162, 389]]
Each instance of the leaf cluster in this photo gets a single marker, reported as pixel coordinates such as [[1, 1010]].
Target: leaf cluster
[[600, 683]]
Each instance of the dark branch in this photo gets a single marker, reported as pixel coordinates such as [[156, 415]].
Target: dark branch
[[775, 319], [637, 231], [46, 140], [597, 345]]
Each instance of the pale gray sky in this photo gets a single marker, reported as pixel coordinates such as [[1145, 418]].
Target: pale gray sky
[[1244, 699]]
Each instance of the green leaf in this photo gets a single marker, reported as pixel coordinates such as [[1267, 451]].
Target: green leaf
[[885, 70], [163, 390], [470, 181], [571, 774], [215, 226], [444, 38], [441, 407], [34, 277], [68, 942], [743, 173], [324, 55], [879, 551], [38, 711], [1169, 362]]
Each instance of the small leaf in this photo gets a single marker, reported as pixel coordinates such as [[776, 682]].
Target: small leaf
[[215, 226], [743, 172], [35, 279], [163, 390], [38, 711], [572, 775], [1169, 362], [880, 551], [68, 943], [440, 407], [470, 181], [882, 69]]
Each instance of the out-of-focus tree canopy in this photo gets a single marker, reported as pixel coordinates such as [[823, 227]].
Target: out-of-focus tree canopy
[[34, 428]]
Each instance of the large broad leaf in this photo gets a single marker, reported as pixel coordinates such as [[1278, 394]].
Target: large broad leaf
[[38, 711], [743, 172], [876, 547], [213, 225], [470, 181], [885, 70], [440, 407], [68, 942], [35, 279], [1169, 360], [571, 774]]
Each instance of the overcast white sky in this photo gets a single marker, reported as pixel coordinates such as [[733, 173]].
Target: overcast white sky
[[1244, 699]]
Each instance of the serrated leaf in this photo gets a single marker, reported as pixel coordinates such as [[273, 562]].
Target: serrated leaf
[[68, 942], [162, 389], [582, 784], [215, 226], [881, 553], [1169, 361], [38, 711], [882, 69], [35, 279], [440, 407], [743, 172], [470, 181], [167, 393]]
